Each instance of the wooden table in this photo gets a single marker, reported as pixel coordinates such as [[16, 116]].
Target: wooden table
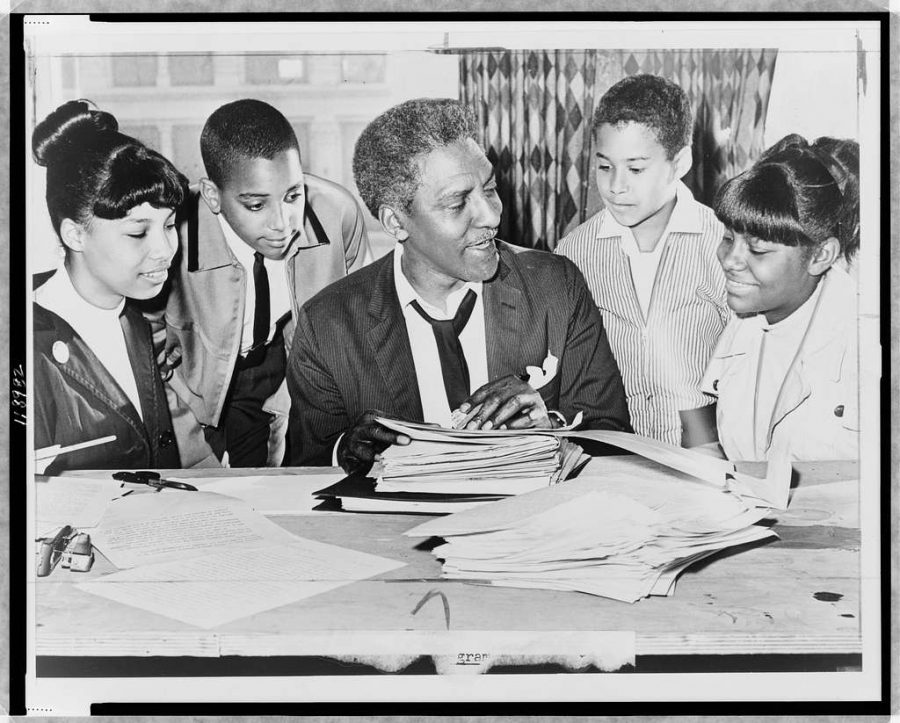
[[789, 604]]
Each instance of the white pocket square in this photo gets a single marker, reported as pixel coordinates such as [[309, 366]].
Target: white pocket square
[[539, 377]]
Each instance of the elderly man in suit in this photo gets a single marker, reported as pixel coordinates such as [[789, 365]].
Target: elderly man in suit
[[452, 317]]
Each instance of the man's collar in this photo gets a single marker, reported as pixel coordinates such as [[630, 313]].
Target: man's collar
[[685, 217], [406, 294]]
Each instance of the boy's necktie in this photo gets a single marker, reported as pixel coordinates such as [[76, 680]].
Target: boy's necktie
[[453, 362], [261, 312]]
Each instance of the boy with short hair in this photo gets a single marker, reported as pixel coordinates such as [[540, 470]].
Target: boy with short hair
[[649, 256], [264, 238]]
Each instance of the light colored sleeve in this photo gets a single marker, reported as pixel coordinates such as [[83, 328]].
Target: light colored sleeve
[[193, 449], [709, 383], [357, 250]]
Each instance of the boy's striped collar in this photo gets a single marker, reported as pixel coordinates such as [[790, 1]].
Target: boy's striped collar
[[685, 216]]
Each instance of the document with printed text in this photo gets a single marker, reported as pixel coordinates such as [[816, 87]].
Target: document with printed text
[[146, 528]]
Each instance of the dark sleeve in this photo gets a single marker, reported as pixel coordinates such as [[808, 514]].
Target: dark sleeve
[[590, 380], [318, 415], [44, 406]]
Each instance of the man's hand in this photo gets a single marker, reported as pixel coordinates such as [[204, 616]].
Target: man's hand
[[364, 440], [508, 402]]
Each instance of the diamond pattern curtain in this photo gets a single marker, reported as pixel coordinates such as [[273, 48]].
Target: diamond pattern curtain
[[534, 111], [729, 92]]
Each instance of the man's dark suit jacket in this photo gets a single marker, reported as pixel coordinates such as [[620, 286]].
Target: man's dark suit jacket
[[351, 349]]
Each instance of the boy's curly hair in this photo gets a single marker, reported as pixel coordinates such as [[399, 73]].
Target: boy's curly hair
[[657, 103]]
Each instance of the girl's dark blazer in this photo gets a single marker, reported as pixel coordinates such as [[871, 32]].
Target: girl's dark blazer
[[351, 349], [76, 399]]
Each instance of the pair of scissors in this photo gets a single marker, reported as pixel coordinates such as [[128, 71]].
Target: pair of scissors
[[151, 479]]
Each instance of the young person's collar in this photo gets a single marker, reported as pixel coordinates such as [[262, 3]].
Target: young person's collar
[[59, 295], [243, 251], [797, 321], [685, 216]]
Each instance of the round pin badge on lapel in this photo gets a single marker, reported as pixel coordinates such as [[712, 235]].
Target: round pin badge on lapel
[[60, 351]]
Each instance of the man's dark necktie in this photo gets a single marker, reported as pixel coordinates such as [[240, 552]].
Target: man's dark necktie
[[453, 362], [261, 312]]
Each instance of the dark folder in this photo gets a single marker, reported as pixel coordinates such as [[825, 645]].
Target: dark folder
[[357, 493]]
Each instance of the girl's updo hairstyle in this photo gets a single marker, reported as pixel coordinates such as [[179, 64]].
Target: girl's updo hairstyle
[[841, 155], [93, 170], [792, 196]]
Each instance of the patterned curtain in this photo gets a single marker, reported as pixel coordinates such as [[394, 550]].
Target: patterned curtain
[[534, 113], [729, 93]]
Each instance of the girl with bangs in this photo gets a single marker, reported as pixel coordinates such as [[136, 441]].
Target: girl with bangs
[[112, 203], [785, 370]]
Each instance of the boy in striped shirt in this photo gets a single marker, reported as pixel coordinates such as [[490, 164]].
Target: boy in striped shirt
[[649, 256]]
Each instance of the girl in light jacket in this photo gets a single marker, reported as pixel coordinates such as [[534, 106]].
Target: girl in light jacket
[[785, 370]]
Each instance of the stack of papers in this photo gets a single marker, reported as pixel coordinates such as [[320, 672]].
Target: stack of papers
[[490, 465], [445, 470], [490, 462], [621, 534]]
